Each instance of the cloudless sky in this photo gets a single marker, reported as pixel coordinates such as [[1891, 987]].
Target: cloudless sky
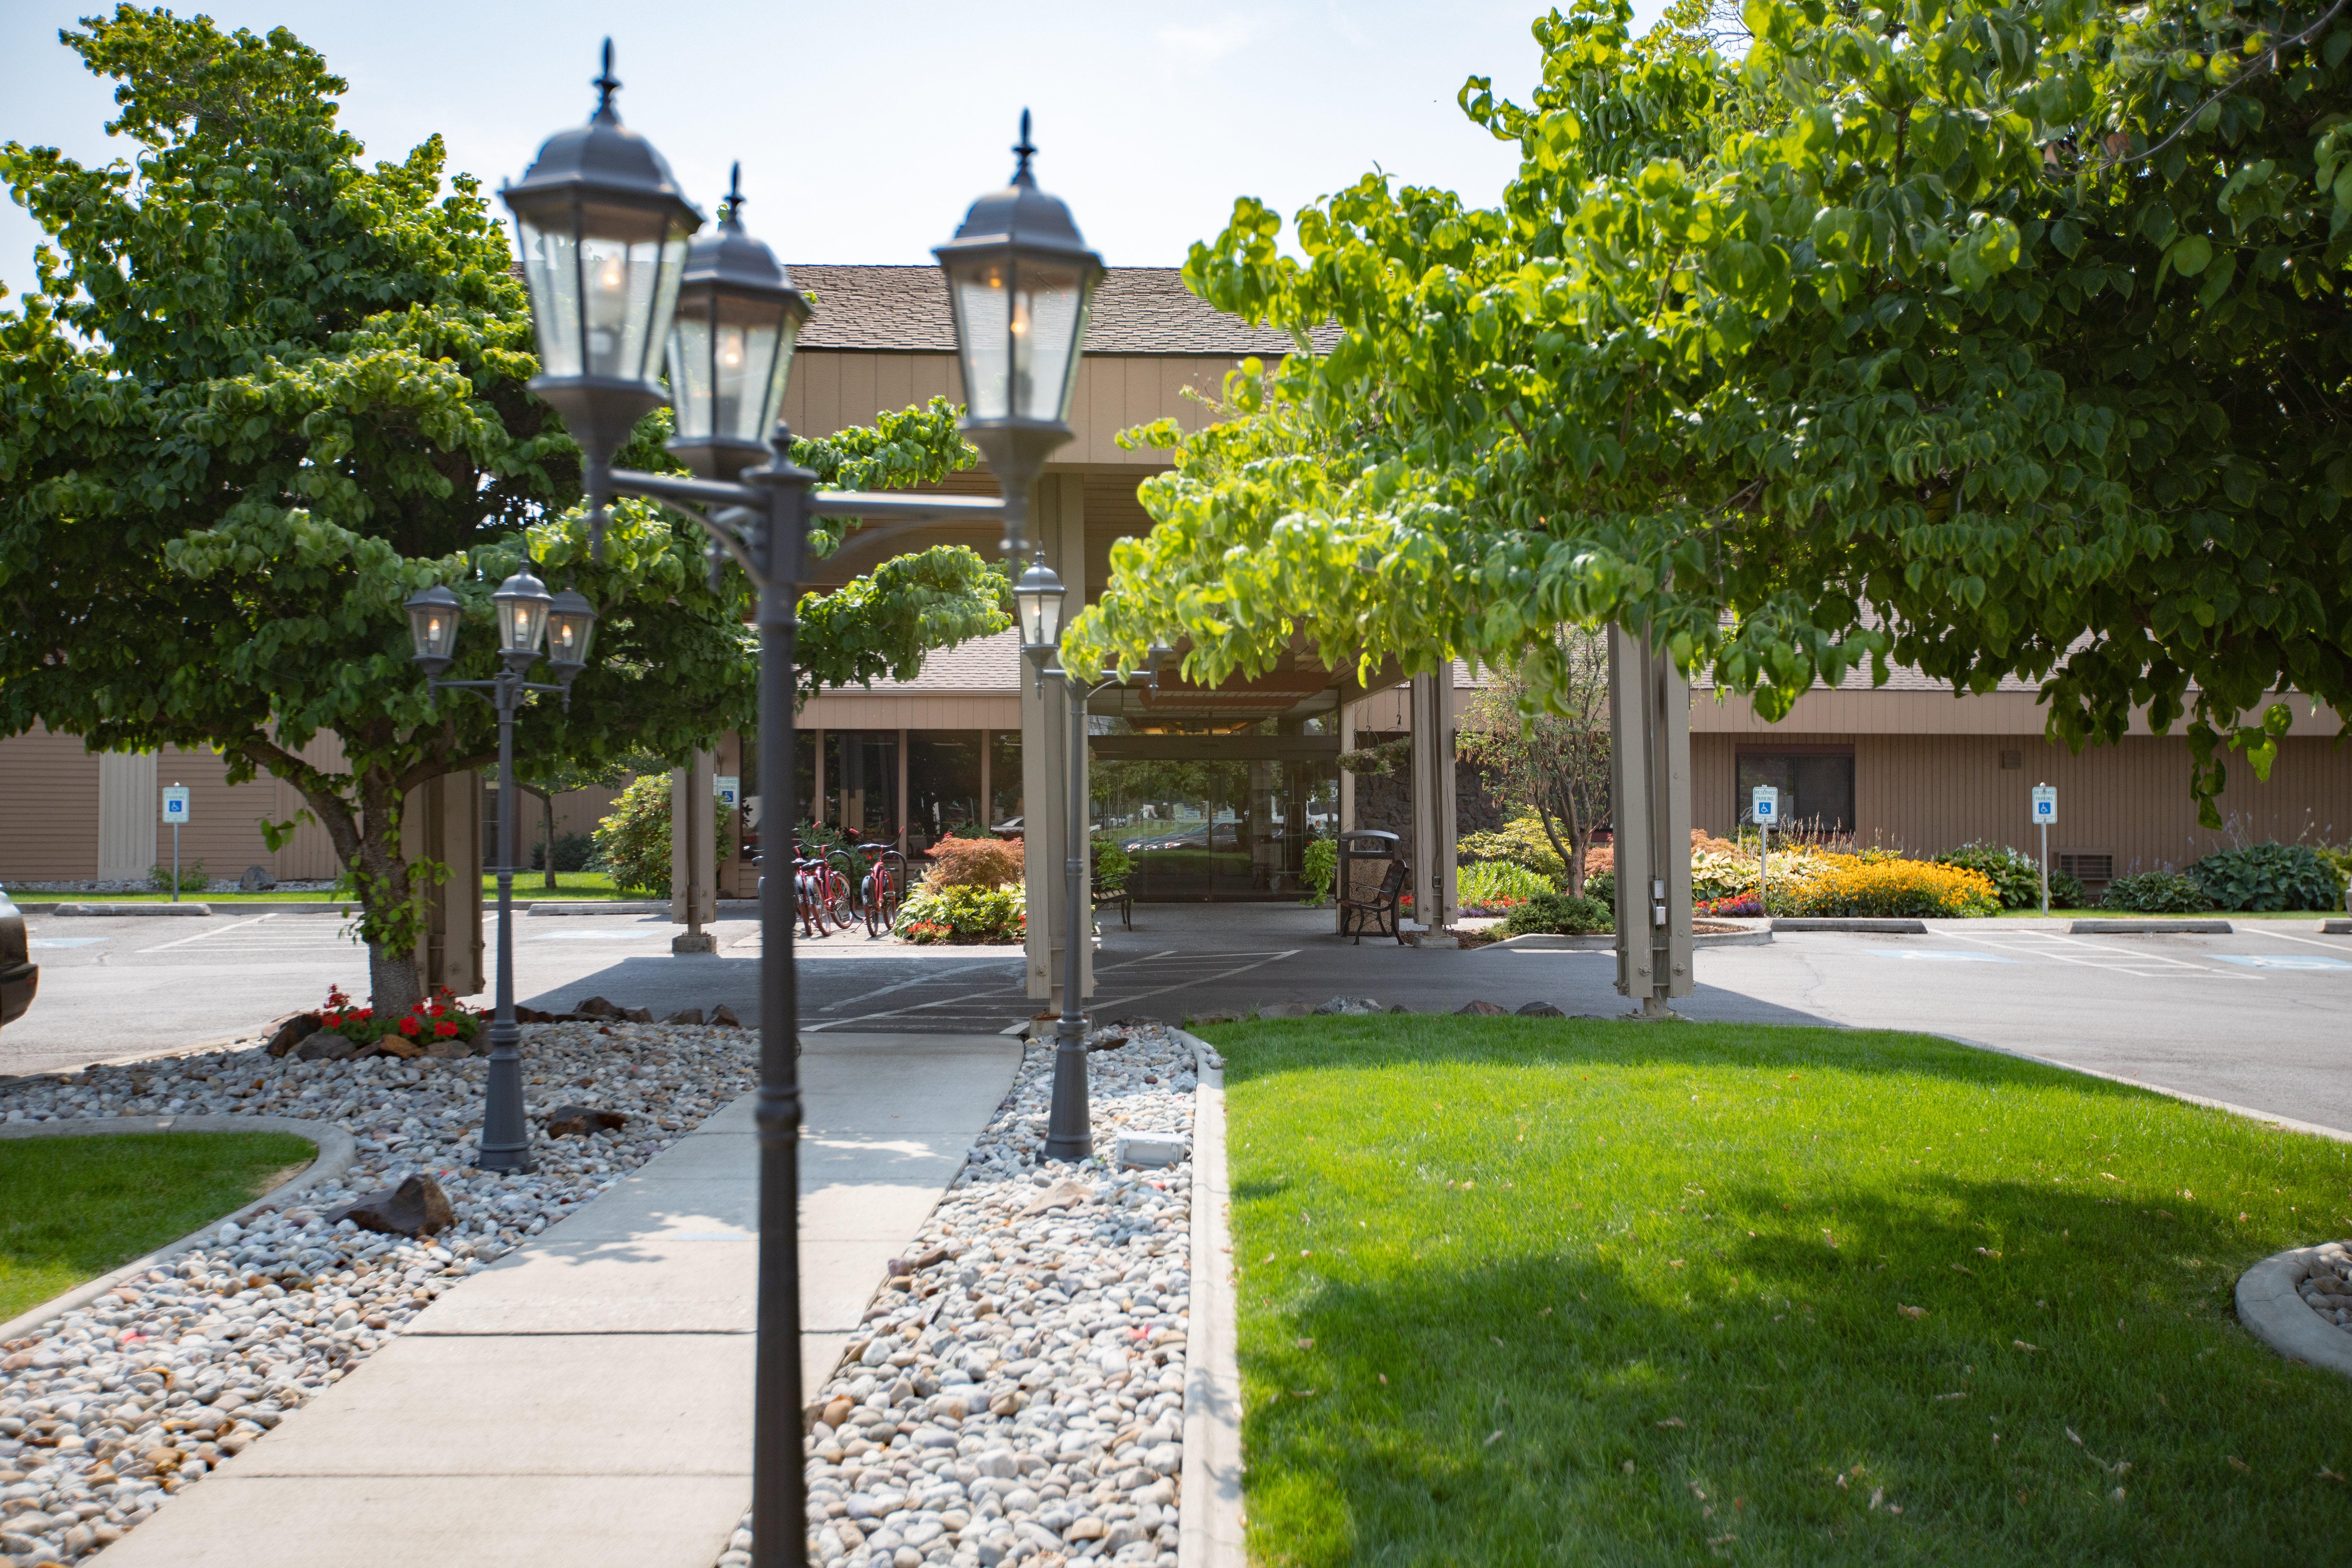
[[865, 131]]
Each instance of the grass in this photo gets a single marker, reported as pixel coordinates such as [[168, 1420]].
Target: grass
[[77, 1207], [1525, 1290]]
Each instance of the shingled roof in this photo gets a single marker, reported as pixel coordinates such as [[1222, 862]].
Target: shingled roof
[[1137, 311]]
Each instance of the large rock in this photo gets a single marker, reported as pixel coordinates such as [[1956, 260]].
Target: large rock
[[416, 1207], [723, 1017], [326, 1047], [597, 1007], [637, 1015], [291, 1031], [256, 879], [684, 1015], [1480, 1010], [1540, 1010], [579, 1120]]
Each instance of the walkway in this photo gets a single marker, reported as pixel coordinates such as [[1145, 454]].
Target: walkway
[[588, 1400]]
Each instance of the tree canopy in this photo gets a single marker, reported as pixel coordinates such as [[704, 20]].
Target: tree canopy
[[264, 391], [1989, 340]]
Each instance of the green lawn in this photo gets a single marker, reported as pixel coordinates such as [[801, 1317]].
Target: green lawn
[[77, 1207], [1549, 1291]]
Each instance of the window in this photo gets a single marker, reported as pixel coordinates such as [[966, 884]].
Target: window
[[1816, 788], [2012, 760], [861, 781], [942, 786], [1003, 775]]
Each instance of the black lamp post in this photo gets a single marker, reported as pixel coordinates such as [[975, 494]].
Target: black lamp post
[[527, 615], [731, 318], [1040, 601]]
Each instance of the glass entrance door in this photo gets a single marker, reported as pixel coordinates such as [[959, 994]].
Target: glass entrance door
[[1214, 829]]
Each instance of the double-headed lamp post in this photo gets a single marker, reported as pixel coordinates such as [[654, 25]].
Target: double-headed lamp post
[[1039, 600], [528, 615], [604, 234]]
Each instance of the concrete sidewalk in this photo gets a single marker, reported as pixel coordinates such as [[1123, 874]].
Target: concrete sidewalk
[[588, 1399]]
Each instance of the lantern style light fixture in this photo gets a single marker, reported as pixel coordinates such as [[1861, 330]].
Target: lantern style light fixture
[[571, 625], [1020, 281], [602, 229], [522, 601], [730, 347], [1039, 595], [432, 617]]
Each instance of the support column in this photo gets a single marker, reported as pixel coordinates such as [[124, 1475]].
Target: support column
[[1059, 520], [1649, 723], [128, 811], [1433, 799], [694, 852], [441, 820]]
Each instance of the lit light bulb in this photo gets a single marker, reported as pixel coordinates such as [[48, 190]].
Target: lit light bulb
[[432, 629], [611, 277], [730, 348]]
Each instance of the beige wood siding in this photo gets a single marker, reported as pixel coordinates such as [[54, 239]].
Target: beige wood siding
[[854, 711], [48, 808], [1912, 713], [1923, 794], [830, 389]]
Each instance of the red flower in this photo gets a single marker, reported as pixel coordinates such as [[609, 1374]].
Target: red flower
[[444, 1031], [409, 1026]]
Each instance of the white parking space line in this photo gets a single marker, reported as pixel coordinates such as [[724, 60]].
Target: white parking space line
[[2340, 945], [40, 942], [2143, 967], [908, 985], [207, 935]]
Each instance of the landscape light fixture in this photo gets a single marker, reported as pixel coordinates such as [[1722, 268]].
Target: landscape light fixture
[[731, 346], [525, 610], [599, 211], [1020, 283], [1039, 596], [602, 230], [432, 617]]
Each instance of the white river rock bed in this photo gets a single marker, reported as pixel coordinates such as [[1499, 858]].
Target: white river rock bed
[[107, 1412], [1022, 1400]]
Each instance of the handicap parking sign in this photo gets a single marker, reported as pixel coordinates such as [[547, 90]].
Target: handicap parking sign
[[730, 791], [175, 804], [2046, 803], [1766, 802]]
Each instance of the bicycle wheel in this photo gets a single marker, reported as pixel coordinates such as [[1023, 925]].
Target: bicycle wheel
[[882, 911], [836, 899]]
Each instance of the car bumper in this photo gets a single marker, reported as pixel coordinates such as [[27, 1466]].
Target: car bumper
[[16, 989]]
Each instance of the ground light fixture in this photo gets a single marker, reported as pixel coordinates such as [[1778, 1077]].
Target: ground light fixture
[[599, 209], [523, 605]]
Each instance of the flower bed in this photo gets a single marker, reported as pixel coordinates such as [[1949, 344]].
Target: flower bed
[[942, 915]]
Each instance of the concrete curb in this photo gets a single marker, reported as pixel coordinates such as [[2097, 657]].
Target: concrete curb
[[337, 1150], [2148, 928], [1209, 1521], [1842, 923], [2272, 1312], [1552, 941], [609, 907]]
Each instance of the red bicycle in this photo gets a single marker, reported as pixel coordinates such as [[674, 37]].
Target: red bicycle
[[883, 887], [819, 894]]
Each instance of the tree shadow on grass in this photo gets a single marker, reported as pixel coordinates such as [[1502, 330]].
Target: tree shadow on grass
[[1741, 1385]]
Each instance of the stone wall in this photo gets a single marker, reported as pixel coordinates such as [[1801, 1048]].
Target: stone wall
[[1386, 803]]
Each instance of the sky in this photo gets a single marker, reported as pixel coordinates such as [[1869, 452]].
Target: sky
[[864, 134]]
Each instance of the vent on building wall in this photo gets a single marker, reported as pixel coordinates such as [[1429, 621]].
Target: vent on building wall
[[2088, 865], [2012, 759]]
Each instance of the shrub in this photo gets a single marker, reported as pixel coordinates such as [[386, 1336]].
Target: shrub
[[1493, 884], [2017, 876], [964, 913], [2156, 893], [438, 1016], [632, 840], [573, 852], [1321, 867], [1601, 887], [1718, 873], [1112, 864], [1820, 884], [2264, 877], [974, 863], [1520, 842], [1558, 914], [192, 877]]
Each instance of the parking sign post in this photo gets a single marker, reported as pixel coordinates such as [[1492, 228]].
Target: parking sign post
[[2045, 812], [175, 811], [1766, 809]]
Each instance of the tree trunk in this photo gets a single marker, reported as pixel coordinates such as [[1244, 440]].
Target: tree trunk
[[367, 842], [547, 808]]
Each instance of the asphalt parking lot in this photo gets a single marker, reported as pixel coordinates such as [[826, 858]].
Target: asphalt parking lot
[[2261, 1017]]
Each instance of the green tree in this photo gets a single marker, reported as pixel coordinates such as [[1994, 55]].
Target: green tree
[[1990, 341], [264, 391], [1551, 758]]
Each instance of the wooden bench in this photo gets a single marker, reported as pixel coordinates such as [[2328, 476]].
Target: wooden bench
[[1378, 905], [1104, 896]]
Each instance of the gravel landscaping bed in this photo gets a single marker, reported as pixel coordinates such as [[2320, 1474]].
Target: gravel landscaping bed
[[2328, 1287], [108, 1411], [1016, 1393]]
